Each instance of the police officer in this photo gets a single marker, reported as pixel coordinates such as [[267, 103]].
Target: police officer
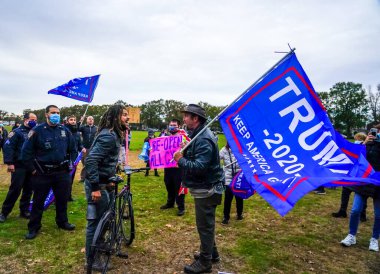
[[20, 178], [88, 134], [73, 127], [48, 154]]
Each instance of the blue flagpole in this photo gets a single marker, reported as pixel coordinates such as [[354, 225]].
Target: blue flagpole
[[241, 95]]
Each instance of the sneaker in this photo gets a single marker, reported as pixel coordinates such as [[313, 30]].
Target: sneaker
[[2, 218], [349, 240], [374, 245], [240, 217], [225, 221], [339, 214], [180, 212], [320, 192]]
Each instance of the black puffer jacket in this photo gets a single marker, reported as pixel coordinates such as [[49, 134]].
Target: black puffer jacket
[[102, 159], [373, 157], [201, 162]]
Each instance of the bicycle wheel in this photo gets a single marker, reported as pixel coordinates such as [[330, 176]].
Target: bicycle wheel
[[102, 244], [127, 218]]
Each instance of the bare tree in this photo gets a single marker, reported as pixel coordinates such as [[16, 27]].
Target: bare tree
[[374, 103]]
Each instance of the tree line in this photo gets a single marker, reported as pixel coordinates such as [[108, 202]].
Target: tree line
[[154, 114], [350, 108]]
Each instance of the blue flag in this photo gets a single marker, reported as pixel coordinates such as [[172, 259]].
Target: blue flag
[[81, 89], [284, 142]]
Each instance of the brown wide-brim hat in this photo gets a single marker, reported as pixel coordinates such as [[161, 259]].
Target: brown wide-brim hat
[[195, 109]]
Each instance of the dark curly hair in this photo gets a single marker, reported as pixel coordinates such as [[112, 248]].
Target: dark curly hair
[[111, 120]]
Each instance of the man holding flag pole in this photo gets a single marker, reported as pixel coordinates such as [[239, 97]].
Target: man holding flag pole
[[203, 175], [284, 142]]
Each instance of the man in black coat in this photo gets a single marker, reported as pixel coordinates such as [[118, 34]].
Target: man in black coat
[[88, 132], [204, 177], [3, 135], [101, 165], [73, 127], [20, 177]]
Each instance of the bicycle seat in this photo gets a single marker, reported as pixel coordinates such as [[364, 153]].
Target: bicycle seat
[[115, 179]]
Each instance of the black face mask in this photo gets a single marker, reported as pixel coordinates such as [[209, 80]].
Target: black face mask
[[73, 128]]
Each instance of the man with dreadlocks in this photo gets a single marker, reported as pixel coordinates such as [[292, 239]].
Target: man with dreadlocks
[[101, 164]]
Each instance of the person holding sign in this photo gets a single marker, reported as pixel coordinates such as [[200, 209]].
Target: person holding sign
[[146, 140], [204, 177], [172, 179]]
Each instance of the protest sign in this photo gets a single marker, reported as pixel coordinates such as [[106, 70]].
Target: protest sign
[[162, 150]]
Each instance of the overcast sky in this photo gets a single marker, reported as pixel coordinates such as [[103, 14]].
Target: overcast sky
[[190, 51]]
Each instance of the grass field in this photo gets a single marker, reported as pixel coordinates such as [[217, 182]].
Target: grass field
[[304, 241]]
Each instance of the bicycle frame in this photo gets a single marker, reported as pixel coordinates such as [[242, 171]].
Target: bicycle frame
[[114, 215]]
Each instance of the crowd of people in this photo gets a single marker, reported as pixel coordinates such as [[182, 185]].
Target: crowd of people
[[40, 157]]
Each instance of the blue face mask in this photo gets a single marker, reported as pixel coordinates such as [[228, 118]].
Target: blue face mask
[[173, 129], [32, 123], [54, 119]]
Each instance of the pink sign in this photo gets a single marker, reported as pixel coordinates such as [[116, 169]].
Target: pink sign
[[162, 150]]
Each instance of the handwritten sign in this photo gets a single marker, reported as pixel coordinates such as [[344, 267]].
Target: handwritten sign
[[162, 150]]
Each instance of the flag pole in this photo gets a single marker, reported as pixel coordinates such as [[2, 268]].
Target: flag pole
[[239, 97], [84, 115]]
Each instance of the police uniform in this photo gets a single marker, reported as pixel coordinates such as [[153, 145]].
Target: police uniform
[[20, 178], [49, 151]]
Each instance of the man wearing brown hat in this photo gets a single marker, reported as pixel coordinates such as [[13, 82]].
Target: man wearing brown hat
[[204, 177]]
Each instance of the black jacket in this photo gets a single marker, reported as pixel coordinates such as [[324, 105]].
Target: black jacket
[[48, 145], [88, 135], [201, 162], [3, 136], [373, 157], [12, 147], [102, 159]]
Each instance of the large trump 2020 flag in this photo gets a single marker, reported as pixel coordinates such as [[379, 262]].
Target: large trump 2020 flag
[[284, 142], [81, 89]]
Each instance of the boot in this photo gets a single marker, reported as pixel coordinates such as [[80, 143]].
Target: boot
[[339, 214], [147, 173], [198, 266], [156, 173], [215, 257]]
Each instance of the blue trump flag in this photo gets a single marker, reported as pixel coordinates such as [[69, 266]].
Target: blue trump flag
[[284, 142], [81, 89]]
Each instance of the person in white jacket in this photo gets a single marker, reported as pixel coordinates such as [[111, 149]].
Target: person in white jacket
[[230, 171]]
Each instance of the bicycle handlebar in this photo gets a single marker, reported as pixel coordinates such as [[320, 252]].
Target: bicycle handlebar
[[129, 170]]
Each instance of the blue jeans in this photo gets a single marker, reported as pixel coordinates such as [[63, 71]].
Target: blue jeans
[[357, 208], [101, 207]]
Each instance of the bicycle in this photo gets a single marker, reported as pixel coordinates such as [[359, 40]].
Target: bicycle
[[116, 225]]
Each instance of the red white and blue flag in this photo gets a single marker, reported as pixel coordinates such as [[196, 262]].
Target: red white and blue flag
[[281, 135]]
